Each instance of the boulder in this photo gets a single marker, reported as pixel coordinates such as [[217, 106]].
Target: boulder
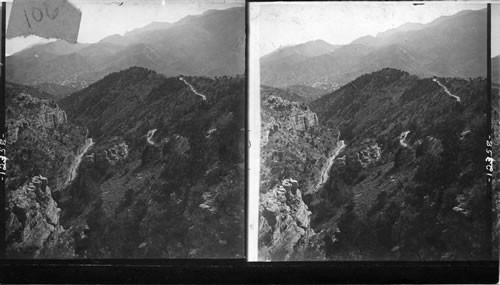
[[33, 219], [284, 222]]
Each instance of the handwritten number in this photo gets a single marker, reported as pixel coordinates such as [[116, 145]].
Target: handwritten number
[[27, 20], [54, 15], [38, 19], [37, 14]]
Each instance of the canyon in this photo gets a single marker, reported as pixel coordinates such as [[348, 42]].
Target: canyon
[[114, 189], [386, 155]]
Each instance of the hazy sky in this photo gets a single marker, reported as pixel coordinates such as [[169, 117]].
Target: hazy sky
[[101, 18], [495, 30], [283, 24]]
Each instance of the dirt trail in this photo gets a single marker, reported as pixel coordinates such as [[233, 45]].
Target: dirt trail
[[150, 135], [446, 89], [194, 91], [402, 138]]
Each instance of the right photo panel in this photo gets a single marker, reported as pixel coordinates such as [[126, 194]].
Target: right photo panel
[[373, 123]]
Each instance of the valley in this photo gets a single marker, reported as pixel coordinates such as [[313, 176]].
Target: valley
[[326, 169], [126, 196], [76, 163], [373, 150], [388, 155], [130, 147]]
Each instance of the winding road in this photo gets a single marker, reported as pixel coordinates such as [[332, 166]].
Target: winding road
[[192, 89], [76, 163], [402, 138], [446, 89], [150, 135]]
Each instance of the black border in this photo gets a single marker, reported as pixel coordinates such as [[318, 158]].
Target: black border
[[135, 271], [241, 272]]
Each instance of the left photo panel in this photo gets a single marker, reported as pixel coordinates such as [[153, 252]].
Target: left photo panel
[[129, 140]]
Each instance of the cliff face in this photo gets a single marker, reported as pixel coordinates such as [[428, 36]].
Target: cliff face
[[33, 220], [41, 145], [292, 116], [45, 115], [292, 145], [284, 224], [40, 140]]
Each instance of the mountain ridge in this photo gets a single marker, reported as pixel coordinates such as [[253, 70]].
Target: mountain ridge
[[448, 46], [207, 44]]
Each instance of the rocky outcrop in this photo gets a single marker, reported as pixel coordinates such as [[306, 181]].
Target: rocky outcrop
[[267, 129], [293, 144], [368, 155], [52, 117], [361, 157], [41, 140], [45, 113], [39, 113], [304, 121], [178, 144], [33, 219], [112, 153], [284, 224], [116, 153], [299, 117]]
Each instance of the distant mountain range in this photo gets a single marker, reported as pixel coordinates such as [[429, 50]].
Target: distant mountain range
[[297, 52], [210, 44], [451, 46]]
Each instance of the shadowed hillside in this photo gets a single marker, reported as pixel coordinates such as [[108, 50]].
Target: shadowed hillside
[[165, 177], [402, 180]]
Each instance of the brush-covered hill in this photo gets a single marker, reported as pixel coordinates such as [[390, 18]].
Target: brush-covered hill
[[41, 145], [401, 179], [410, 178], [165, 176]]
